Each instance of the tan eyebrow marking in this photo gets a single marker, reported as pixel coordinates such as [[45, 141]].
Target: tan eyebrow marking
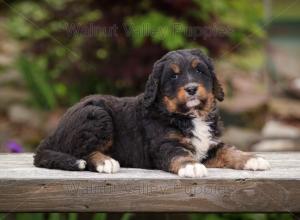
[[195, 62], [175, 68]]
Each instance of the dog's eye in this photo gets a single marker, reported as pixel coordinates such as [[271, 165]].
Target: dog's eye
[[198, 70], [174, 76], [202, 71]]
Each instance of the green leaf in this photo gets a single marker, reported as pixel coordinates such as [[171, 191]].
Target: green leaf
[[100, 216], [54, 216], [126, 216], [158, 27], [72, 216], [35, 74]]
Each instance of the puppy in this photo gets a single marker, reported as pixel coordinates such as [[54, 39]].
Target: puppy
[[173, 126]]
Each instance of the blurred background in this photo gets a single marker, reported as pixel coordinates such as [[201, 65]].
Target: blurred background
[[54, 52]]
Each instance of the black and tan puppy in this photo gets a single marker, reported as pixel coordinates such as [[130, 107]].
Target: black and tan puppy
[[173, 126]]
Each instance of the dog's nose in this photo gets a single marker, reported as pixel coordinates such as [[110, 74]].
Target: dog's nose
[[191, 90]]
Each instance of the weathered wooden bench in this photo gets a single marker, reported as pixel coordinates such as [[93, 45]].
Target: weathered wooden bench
[[25, 188]]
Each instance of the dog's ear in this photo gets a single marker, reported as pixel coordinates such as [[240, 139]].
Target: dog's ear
[[217, 88], [152, 84]]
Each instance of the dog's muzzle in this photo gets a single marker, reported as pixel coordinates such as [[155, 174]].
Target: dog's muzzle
[[191, 90]]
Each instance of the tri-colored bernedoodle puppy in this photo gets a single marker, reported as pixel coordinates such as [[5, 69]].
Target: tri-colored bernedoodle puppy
[[173, 126]]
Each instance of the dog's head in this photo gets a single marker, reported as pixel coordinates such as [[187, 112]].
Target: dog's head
[[183, 82]]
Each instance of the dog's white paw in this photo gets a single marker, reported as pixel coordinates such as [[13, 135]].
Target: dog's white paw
[[81, 164], [109, 166], [193, 170], [257, 163]]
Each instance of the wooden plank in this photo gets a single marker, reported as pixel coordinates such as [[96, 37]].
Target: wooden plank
[[25, 188]]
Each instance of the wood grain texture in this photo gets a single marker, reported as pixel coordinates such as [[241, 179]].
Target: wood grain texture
[[25, 188]]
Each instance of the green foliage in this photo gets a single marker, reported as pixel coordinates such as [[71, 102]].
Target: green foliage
[[248, 60], [30, 216], [35, 74], [126, 216], [54, 216], [24, 26], [100, 216], [243, 19], [246, 216], [72, 216], [159, 27], [67, 62]]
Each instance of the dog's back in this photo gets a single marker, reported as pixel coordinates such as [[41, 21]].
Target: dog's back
[[103, 122]]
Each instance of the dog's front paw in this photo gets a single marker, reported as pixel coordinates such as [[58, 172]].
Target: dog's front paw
[[108, 166], [257, 163], [193, 170]]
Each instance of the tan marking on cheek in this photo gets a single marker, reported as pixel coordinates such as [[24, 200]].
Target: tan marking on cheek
[[209, 105], [179, 162], [202, 91], [170, 104], [181, 95], [209, 102], [195, 63], [175, 68]]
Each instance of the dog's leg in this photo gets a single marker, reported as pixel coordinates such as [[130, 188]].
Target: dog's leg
[[101, 163], [226, 156], [58, 160], [84, 129], [175, 157], [98, 140], [187, 166]]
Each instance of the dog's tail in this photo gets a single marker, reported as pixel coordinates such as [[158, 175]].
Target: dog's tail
[[58, 160]]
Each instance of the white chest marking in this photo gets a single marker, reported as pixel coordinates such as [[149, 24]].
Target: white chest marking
[[202, 138]]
